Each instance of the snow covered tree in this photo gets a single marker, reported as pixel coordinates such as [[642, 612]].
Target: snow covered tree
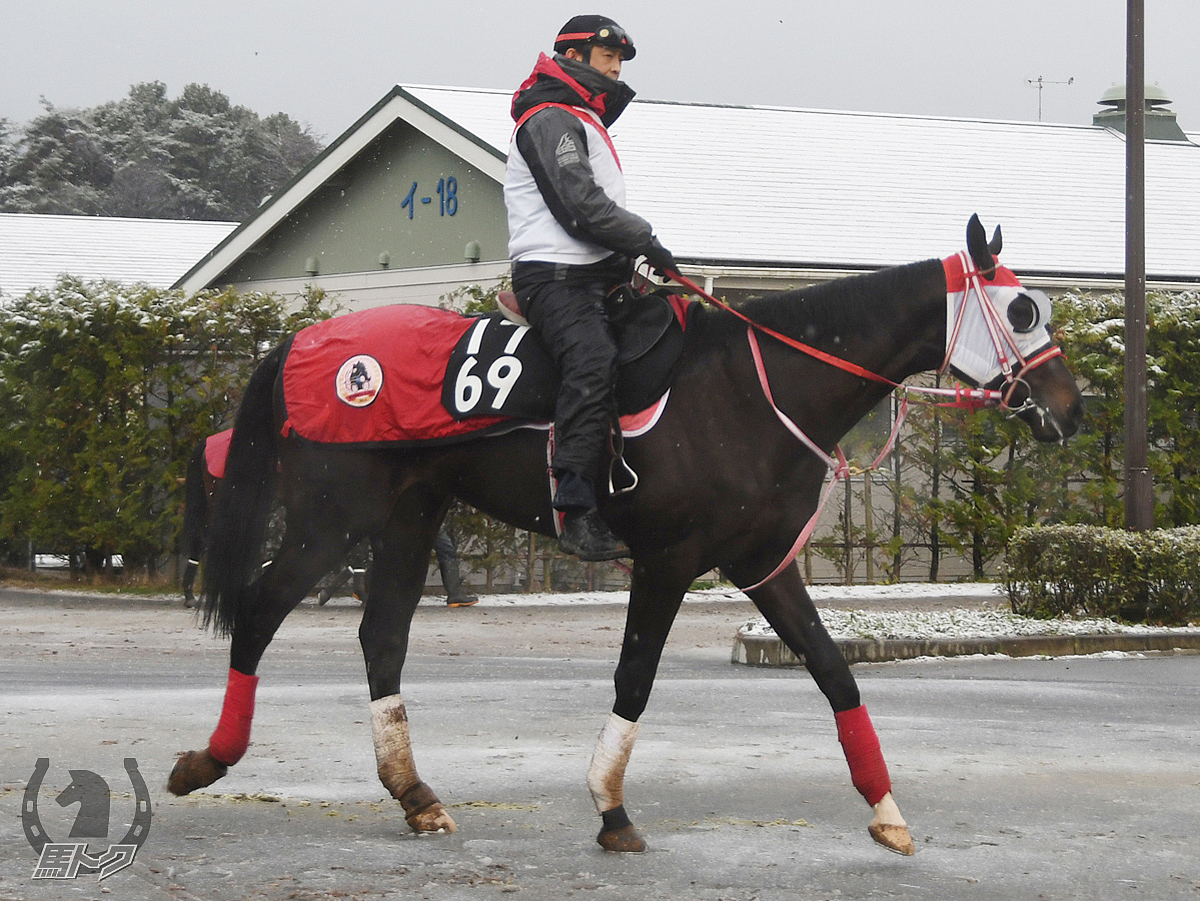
[[196, 157]]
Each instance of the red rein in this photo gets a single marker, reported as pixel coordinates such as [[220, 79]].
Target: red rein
[[967, 398]]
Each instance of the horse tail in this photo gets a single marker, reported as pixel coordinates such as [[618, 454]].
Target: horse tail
[[195, 503], [242, 507]]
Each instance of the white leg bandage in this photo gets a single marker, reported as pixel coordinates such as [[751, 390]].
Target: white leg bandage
[[393, 750], [606, 775]]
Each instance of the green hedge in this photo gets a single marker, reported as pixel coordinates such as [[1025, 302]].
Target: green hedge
[[1151, 577]]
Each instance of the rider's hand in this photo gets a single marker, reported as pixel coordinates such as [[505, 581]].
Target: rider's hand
[[660, 258]]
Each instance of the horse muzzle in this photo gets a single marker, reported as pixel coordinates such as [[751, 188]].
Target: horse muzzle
[[1047, 399]]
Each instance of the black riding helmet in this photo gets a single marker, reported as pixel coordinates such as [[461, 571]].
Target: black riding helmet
[[594, 31]]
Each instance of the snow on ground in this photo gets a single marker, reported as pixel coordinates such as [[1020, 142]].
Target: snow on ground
[[968, 621], [924, 624], [966, 590], [872, 624]]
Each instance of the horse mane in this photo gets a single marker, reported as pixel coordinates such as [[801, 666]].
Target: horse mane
[[837, 307]]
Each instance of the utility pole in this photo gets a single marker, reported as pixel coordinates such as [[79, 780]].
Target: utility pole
[[1041, 83], [1139, 489]]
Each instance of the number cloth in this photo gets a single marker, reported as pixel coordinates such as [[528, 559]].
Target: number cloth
[[404, 374], [375, 377]]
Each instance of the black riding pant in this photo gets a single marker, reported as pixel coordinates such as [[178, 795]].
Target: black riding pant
[[565, 304]]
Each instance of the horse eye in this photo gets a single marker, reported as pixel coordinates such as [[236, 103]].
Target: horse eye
[[1023, 313]]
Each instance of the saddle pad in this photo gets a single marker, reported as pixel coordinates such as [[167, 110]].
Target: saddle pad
[[406, 373], [375, 377]]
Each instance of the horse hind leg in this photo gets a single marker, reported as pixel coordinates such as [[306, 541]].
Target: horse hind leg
[[397, 769], [279, 588], [400, 560]]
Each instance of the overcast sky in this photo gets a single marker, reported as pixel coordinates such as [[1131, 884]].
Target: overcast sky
[[326, 63]]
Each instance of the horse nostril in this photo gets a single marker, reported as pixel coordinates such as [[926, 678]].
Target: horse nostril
[[1074, 417], [1069, 424]]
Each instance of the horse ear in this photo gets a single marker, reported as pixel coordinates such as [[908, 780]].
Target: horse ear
[[978, 248], [997, 242]]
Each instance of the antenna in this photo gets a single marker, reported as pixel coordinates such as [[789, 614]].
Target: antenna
[[1041, 83]]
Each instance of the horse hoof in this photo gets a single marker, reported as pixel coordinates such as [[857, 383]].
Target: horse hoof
[[432, 819], [893, 837], [422, 808], [193, 770], [624, 839], [889, 829]]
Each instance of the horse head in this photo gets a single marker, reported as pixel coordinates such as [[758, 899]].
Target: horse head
[[998, 336]]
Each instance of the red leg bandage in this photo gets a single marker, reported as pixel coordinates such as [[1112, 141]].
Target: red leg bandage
[[868, 772], [232, 735]]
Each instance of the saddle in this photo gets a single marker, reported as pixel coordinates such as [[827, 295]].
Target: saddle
[[500, 367]]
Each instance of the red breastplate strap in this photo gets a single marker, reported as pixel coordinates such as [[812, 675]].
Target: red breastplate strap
[[577, 113]]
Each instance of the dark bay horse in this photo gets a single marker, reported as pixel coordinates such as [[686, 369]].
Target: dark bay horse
[[724, 483]]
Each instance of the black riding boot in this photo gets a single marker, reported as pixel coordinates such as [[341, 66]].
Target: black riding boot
[[585, 534]]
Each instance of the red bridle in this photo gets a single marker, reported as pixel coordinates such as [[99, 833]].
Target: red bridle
[[966, 398]]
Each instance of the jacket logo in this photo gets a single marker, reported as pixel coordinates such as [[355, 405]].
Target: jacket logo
[[566, 153]]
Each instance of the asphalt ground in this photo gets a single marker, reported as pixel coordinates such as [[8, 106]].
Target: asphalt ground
[[1036, 778]]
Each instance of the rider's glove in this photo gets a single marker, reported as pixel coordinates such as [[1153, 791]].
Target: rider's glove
[[660, 258]]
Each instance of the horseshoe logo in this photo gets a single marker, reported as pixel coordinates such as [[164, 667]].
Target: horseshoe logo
[[139, 829], [34, 832]]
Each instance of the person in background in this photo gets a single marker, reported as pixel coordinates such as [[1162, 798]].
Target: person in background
[[355, 572], [447, 558]]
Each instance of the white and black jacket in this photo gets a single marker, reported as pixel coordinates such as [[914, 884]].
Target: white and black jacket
[[563, 188]]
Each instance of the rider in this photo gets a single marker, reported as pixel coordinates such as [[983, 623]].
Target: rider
[[572, 242]]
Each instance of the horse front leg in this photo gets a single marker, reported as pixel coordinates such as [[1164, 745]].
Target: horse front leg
[[400, 560], [785, 603], [653, 603]]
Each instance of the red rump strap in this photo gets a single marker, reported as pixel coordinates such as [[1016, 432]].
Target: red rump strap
[[868, 771], [232, 735], [216, 452]]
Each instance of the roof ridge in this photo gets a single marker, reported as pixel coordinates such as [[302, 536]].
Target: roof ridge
[[780, 108]]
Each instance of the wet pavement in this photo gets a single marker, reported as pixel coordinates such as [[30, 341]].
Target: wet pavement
[[1063, 778]]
